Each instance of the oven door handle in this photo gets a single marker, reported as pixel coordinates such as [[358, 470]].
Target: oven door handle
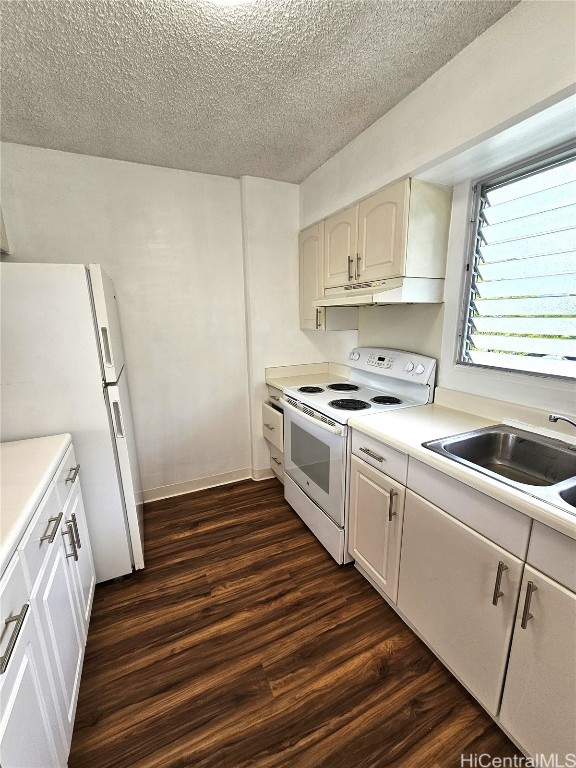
[[335, 430]]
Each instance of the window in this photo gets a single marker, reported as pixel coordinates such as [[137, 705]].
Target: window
[[520, 302]]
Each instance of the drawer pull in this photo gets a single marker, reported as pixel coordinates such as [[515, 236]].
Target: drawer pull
[[526, 615], [70, 533], [275, 397], [497, 593], [72, 474], [76, 531], [269, 426], [275, 460], [372, 455], [49, 537], [19, 619], [391, 498]]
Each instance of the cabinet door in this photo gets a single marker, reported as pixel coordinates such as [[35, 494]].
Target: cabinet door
[[539, 703], [82, 568], [311, 277], [55, 601], [30, 734], [340, 239], [382, 231], [376, 514], [450, 577]]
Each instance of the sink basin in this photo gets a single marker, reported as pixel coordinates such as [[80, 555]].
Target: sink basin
[[569, 495], [539, 465]]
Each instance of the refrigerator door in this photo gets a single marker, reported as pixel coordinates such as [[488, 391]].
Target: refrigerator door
[[107, 324], [121, 417]]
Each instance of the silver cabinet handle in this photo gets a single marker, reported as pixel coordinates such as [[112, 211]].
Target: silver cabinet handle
[[350, 267], [106, 345], [497, 593], [49, 537], [275, 460], [72, 474], [526, 615], [357, 266], [76, 531], [19, 620], [70, 533], [317, 318], [274, 397], [391, 498], [372, 455], [269, 426]]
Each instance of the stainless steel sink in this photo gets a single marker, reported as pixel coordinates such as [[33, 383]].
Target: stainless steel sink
[[542, 466]]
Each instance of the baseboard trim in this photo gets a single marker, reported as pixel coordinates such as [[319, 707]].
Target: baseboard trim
[[167, 491], [262, 474], [213, 481]]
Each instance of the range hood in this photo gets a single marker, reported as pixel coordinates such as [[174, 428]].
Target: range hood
[[395, 290]]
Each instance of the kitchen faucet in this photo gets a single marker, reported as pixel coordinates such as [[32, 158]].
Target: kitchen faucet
[[557, 417]]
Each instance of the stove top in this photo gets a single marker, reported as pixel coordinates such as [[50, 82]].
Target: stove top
[[380, 380]]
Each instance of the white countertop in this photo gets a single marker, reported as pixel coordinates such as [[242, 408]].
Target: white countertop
[[406, 430], [26, 468]]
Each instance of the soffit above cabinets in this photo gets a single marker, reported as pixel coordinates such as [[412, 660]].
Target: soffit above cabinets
[[268, 88]]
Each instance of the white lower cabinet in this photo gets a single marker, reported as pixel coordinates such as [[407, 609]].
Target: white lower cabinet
[[46, 594], [375, 524], [460, 591], [30, 732], [55, 601], [81, 563], [539, 702]]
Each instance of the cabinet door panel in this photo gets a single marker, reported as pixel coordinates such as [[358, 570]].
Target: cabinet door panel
[[83, 568], [447, 585], [311, 276], [382, 228], [340, 238], [29, 735], [374, 537], [55, 601], [539, 703]]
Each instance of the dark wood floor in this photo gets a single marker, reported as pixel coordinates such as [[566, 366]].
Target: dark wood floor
[[242, 643]]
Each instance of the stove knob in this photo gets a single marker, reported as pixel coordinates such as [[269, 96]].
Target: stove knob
[[354, 355], [420, 368], [409, 367]]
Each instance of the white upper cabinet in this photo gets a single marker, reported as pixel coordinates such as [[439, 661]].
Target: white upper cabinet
[[310, 248], [340, 244], [399, 232], [382, 226]]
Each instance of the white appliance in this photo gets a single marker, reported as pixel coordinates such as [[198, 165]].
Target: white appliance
[[62, 370], [316, 435]]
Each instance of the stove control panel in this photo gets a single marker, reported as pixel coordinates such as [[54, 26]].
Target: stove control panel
[[380, 361], [393, 363]]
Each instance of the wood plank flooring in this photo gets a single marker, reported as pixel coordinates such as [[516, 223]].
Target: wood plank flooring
[[242, 643]]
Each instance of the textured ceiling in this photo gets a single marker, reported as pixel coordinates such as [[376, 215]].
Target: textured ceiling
[[272, 88]]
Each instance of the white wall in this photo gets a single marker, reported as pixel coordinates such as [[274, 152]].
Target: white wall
[[270, 225], [172, 242]]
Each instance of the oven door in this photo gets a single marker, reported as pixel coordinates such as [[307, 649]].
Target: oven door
[[315, 458]]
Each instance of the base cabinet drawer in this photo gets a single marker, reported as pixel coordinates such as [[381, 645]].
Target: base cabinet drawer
[[460, 591], [277, 462], [273, 426], [388, 460]]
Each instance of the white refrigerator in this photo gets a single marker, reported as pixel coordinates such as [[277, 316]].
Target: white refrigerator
[[62, 370]]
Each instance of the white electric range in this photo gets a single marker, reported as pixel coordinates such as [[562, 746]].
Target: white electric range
[[316, 444]]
